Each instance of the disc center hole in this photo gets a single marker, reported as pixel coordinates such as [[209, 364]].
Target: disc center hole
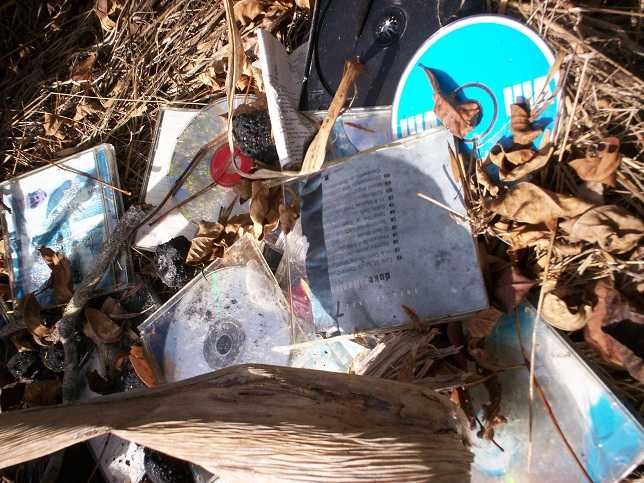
[[224, 344]]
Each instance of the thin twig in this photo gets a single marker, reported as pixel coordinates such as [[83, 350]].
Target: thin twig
[[441, 205], [533, 348], [548, 407], [87, 175]]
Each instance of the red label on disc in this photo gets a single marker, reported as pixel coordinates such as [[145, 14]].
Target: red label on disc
[[220, 170]]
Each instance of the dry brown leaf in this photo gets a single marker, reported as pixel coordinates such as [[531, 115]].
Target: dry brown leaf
[[601, 168], [264, 209], [112, 306], [32, 318], [100, 326], [482, 323], [61, 274], [53, 124], [83, 70], [42, 393], [458, 120], [288, 216], [528, 203], [484, 179], [520, 156], [555, 311], [497, 156], [243, 189], [85, 108], [510, 287], [104, 8], [306, 4], [204, 247], [248, 10], [209, 78], [613, 228], [525, 236], [538, 161], [213, 238], [407, 366], [611, 309], [23, 341], [141, 366], [522, 132]]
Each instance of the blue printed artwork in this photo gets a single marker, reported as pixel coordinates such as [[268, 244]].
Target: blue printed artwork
[[63, 210]]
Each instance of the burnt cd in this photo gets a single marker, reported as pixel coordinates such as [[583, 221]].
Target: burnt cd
[[229, 316]]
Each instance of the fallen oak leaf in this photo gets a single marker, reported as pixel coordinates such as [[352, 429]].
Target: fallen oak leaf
[[111, 307], [61, 274], [482, 323], [520, 156], [457, 120], [528, 203], [204, 247], [100, 328], [103, 10], [83, 70], [612, 309], [42, 393], [243, 189], [288, 215], [538, 161], [100, 385], [246, 11], [53, 124], [555, 312], [85, 108], [522, 132], [30, 308], [601, 168], [289, 211], [141, 366], [511, 287], [485, 180], [613, 228], [264, 209]]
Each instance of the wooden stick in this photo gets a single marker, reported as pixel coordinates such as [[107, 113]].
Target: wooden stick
[[267, 424], [67, 326], [316, 151]]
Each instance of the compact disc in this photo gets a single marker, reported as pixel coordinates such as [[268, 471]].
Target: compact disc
[[383, 35], [226, 318], [209, 185], [491, 60]]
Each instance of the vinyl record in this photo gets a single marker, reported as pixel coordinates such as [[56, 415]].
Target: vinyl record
[[226, 318], [492, 60], [383, 35], [212, 169]]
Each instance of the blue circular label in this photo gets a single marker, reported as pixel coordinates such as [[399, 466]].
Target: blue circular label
[[491, 60]]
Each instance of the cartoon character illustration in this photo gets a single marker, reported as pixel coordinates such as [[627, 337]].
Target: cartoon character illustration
[[35, 198]]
